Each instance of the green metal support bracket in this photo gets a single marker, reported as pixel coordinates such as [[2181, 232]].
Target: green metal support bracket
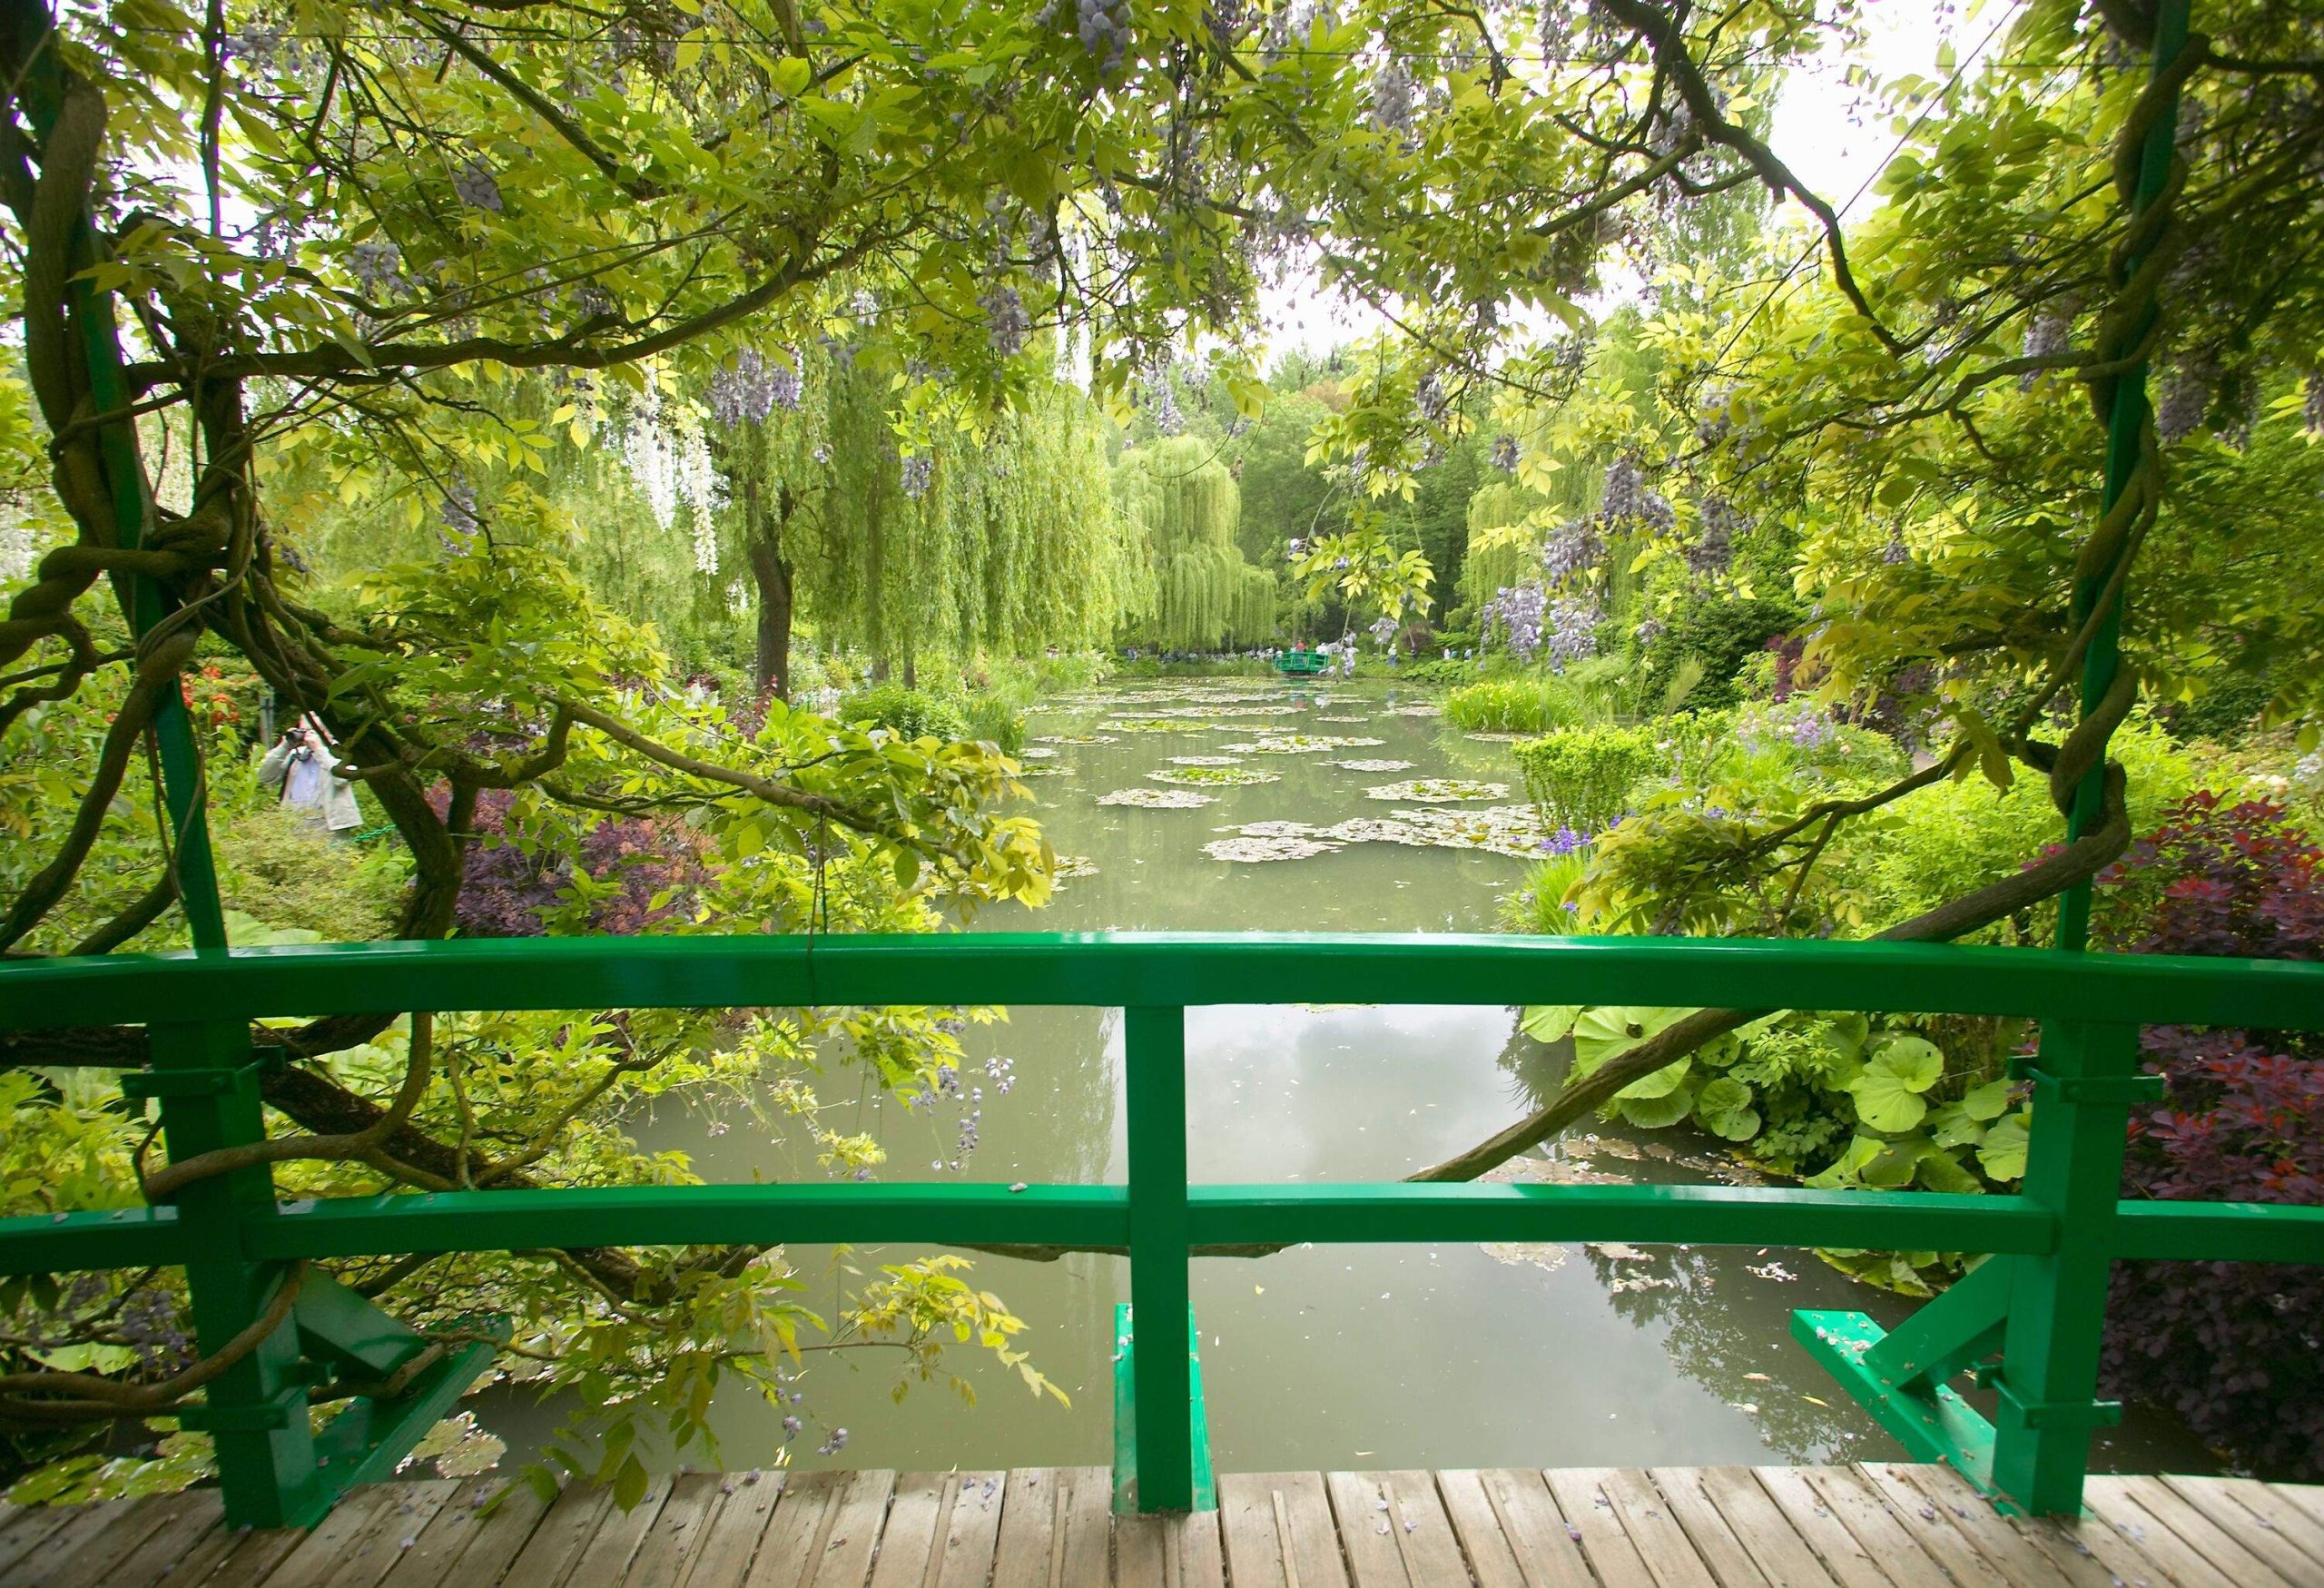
[[1204, 1486], [1930, 1420]]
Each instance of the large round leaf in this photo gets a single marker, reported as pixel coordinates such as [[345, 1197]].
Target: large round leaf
[[1987, 1101], [1546, 1022], [1607, 1029], [1888, 1092], [2003, 1155], [1661, 1084], [1916, 1062], [1655, 1113], [1724, 1108]]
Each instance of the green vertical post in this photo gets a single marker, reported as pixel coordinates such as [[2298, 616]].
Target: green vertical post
[[205, 1079], [1155, 1059], [2125, 430], [2084, 1084], [30, 28]]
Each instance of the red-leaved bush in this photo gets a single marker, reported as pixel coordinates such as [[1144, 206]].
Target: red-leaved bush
[[505, 892], [2236, 1348]]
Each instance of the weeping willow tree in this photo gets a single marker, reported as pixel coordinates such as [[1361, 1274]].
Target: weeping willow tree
[[977, 532], [1201, 592]]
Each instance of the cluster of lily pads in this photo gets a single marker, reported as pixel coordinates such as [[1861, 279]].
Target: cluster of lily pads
[[1363, 765], [1300, 743], [1438, 791], [1213, 776], [1156, 799], [1511, 830]]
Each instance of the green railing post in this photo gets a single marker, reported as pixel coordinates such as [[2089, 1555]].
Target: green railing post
[[206, 1081], [2084, 1081], [1162, 1379]]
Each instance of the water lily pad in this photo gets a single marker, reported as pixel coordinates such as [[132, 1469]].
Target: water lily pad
[[1076, 739], [1264, 849], [1043, 772], [1342, 719], [1205, 760], [1074, 865], [1037, 753], [1213, 776], [1418, 708], [1372, 766], [1157, 725], [1438, 791], [1156, 799], [1300, 743]]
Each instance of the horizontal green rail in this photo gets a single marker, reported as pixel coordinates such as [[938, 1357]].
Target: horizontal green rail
[[1172, 969], [2036, 1305]]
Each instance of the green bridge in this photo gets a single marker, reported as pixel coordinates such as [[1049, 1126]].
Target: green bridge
[[2026, 1323]]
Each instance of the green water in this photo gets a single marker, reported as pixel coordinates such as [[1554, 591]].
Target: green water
[[1443, 1356]]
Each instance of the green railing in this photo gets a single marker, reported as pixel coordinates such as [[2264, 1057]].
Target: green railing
[[2026, 1325]]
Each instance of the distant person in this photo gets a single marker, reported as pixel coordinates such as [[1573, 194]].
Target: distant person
[[304, 764]]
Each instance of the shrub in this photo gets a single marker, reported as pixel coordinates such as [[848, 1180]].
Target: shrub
[[1529, 703], [912, 713], [1722, 636], [2236, 1348], [993, 718], [1438, 670], [1582, 777], [622, 875], [276, 867], [1540, 907]]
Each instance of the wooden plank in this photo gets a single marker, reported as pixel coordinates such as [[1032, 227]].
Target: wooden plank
[[604, 1560], [794, 1541], [971, 1530], [2279, 1521], [44, 1564], [1086, 1517], [665, 1554], [1849, 1561], [1255, 1543], [226, 1559], [308, 1561], [2308, 1497], [2209, 1540], [1760, 1525], [100, 1560], [1279, 1530], [1731, 1563], [561, 1536], [1875, 1523], [1493, 1559], [1662, 1544], [1028, 1529], [915, 1518], [1172, 1551], [1970, 1539], [845, 1559], [732, 1538], [1432, 1554], [438, 1546], [497, 1534], [366, 1562], [2154, 1550], [187, 1519], [27, 1527], [1361, 1511], [1610, 1553], [1547, 1549]]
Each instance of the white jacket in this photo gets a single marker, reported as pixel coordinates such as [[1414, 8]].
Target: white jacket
[[312, 783]]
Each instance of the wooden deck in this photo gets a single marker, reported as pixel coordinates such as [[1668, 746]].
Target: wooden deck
[[1869, 1526]]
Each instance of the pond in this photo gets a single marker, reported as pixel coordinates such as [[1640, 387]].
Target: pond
[[1386, 1357]]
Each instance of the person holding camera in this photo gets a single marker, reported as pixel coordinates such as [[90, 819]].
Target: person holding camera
[[304, 766]]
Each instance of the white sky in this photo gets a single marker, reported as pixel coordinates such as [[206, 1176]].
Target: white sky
[[1819, 130]]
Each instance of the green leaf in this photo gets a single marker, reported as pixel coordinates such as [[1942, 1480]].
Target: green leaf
[[1887, 1094], [1916, 1062], [1659, 1083], [1939, 1171], [1606, 1030], [1546, 1022], [2003, 1155], [1724, 1108], [629, 1484], [1987, 1101], [1657, 1113]]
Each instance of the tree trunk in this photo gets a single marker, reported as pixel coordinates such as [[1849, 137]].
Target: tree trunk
[[772, 574]]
